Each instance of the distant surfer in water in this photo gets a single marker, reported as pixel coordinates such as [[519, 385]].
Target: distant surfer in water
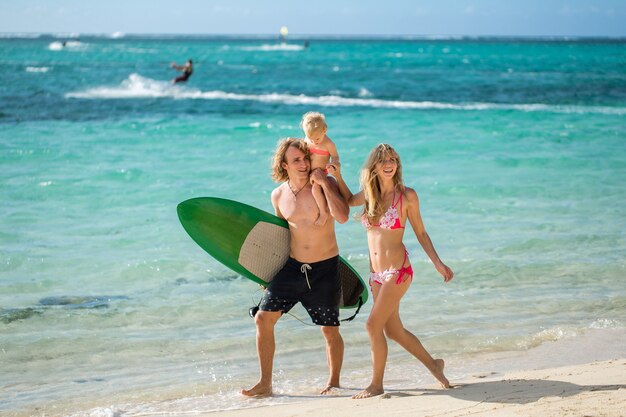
[[187, 70], [310, 275]]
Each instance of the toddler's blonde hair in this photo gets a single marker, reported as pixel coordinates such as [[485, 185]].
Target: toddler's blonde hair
[[313, 122]]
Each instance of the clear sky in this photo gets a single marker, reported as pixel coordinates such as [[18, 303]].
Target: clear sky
[[319, 17]]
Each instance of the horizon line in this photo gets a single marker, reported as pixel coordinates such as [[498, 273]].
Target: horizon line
[[121, 35]]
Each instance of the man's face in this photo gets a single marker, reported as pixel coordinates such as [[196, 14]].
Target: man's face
[[297, 164]]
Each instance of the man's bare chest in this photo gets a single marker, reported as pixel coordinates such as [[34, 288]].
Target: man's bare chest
[[299, 209]]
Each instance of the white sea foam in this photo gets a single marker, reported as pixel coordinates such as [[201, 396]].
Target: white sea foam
[[37, 69], [19, 35], [55, 46], [59, 46], [546, 335], [66, 35], [105, 412], [364, 92], [274, 47], [138, 50], [606, 324], [137, 86]]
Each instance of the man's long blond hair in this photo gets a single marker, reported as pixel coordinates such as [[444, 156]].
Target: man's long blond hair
[[279, 174], [370, 183]]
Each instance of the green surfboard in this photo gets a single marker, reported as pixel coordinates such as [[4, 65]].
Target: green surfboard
[[253, 242]]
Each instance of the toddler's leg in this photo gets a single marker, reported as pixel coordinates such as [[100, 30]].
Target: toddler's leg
[[322, 205]]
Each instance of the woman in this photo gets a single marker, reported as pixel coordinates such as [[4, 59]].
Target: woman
[[388, 204]]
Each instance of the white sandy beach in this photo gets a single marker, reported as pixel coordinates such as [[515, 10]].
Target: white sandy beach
[[593, 389]]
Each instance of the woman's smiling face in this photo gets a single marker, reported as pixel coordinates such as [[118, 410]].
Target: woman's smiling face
[[387, 167]]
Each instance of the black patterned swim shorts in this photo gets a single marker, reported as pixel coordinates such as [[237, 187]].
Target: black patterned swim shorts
[[315, 285]]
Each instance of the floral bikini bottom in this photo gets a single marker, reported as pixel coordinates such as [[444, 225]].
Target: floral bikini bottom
[[381, 277]]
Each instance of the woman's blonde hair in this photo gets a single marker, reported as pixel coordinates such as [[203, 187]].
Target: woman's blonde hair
[[370, 183], [279, 174], [313, 122]]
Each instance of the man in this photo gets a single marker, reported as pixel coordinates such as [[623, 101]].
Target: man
[[187, 70], [310, 274]]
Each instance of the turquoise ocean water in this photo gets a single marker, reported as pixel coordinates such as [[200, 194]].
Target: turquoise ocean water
[[517, 149]]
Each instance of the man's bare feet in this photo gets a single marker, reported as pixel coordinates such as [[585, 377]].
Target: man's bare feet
[[258, 391], [330, 389], [368, 392], [321, 219], [438, 373]]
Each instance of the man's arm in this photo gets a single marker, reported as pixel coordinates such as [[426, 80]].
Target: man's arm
[[336, 204], [179, 67], [275, 197]]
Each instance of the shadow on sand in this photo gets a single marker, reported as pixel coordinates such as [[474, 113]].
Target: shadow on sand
[[513, 391]]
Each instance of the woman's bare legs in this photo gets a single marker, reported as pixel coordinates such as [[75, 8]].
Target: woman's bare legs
[[386, 302], [396, 332], [384, 320]]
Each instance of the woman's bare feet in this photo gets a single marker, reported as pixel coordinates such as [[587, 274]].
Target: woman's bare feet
[[258, 391], [438, 373], [368, 392]]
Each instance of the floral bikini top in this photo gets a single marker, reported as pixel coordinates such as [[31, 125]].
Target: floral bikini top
[[390, 220]]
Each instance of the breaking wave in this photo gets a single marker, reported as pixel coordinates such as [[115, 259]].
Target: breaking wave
[[136, 86]]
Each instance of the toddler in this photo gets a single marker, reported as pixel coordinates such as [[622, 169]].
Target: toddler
[[324, 156]]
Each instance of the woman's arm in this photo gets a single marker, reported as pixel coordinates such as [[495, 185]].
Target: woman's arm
[[415, 218], [352, 199]]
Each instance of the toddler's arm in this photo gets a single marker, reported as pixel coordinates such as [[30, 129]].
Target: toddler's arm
[[332, 149]]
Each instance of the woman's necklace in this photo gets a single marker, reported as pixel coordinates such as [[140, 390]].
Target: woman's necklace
[[295, 193]]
